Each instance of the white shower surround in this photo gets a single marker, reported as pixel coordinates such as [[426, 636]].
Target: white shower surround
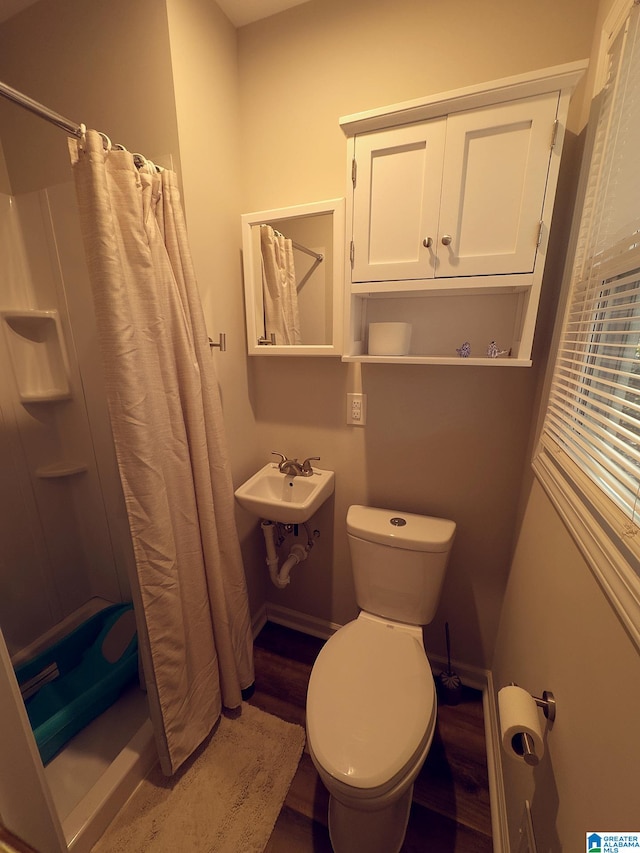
[[71, 552]]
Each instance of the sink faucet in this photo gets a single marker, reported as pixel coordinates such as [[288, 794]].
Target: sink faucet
[[307, 470], [294, 468], [291, 467]]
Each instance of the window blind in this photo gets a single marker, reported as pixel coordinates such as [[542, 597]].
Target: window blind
[[593, 411]]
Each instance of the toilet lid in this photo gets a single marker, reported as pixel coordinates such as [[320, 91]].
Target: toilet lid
[[370, 703]]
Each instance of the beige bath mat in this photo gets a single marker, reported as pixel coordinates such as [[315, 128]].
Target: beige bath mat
[[226, 800]]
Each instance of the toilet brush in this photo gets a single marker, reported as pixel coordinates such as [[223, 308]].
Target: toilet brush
[[449, 682]]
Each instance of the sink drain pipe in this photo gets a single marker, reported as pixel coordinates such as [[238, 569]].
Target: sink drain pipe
[[280, 577]]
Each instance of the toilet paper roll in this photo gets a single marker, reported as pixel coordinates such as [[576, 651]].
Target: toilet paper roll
[[519, 715], [389, 338]]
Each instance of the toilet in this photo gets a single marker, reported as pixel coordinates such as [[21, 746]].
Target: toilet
[[371, 703]]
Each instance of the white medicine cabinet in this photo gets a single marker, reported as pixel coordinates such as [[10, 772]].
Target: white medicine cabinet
[[316, 231], [449, 207]]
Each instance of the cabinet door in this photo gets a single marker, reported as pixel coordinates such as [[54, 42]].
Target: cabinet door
[[493, 186], [396, 202]]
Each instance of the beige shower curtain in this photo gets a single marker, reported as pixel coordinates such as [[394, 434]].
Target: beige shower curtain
[[167, 424], [279, 287]]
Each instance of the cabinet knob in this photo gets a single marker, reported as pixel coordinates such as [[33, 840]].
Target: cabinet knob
[[427, 242], [446, 239]]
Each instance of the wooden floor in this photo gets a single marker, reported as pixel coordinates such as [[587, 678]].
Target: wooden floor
[[450, 811]]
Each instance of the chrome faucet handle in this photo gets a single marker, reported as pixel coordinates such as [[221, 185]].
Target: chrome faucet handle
[[306, 465], [291, 468]]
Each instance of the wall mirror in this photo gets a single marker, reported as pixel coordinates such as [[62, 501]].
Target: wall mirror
[[293, 262]]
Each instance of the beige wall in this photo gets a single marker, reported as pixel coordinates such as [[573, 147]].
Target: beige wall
[[255, 116], [441, 440], [5, 184], [204, 62], [105, 64], [558, 632], [112, 66], [84, 61], [303, 69]]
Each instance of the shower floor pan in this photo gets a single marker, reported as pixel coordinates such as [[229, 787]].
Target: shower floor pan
[[80, 676]]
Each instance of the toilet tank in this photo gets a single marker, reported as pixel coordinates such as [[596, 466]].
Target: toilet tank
[[399, 560]]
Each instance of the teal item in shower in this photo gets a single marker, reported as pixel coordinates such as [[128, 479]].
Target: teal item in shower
[[83, 675]]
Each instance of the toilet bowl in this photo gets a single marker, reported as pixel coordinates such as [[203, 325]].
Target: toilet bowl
[[371, 712], [371, 702]]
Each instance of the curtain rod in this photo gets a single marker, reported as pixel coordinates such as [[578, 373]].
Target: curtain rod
[[78, 130], [319, 257], [313, 254], [40, 110]]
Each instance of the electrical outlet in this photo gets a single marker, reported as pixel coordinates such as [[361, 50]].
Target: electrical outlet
[[357, 409]]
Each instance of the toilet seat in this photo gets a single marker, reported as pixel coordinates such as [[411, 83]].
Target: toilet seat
[[371, 704]]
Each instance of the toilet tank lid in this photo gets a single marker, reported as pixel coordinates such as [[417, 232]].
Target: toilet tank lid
[[385, 526]]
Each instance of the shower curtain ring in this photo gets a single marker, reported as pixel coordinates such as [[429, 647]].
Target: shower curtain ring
[[106, 142]]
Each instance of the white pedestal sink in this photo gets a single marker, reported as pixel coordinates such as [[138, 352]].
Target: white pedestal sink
[[274, 496]]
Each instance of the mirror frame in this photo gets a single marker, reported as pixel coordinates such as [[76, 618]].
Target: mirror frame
[[253, 300]]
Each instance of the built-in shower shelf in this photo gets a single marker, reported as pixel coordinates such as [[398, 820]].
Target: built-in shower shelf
[[60, 469], [52, 396], [38, 357]]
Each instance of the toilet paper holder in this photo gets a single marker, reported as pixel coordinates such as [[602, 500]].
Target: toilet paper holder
[[527, 746], [548, 704]]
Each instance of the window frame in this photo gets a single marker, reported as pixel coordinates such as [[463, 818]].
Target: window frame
[[607, 537]]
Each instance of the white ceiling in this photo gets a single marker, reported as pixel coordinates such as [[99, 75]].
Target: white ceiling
[[239, 12]]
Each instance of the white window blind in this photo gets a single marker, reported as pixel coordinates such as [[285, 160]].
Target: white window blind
[[594, 405], [588, 458]]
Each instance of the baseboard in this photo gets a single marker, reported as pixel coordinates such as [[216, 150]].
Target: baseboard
[[499, 823], [472, 676], [258, 621], [482, 679], [300, 621]]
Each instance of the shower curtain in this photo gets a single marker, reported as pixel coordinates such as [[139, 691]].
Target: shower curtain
[[166, 416], [279, 287]]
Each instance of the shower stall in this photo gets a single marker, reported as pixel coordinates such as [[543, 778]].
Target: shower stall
[[66, 551]]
